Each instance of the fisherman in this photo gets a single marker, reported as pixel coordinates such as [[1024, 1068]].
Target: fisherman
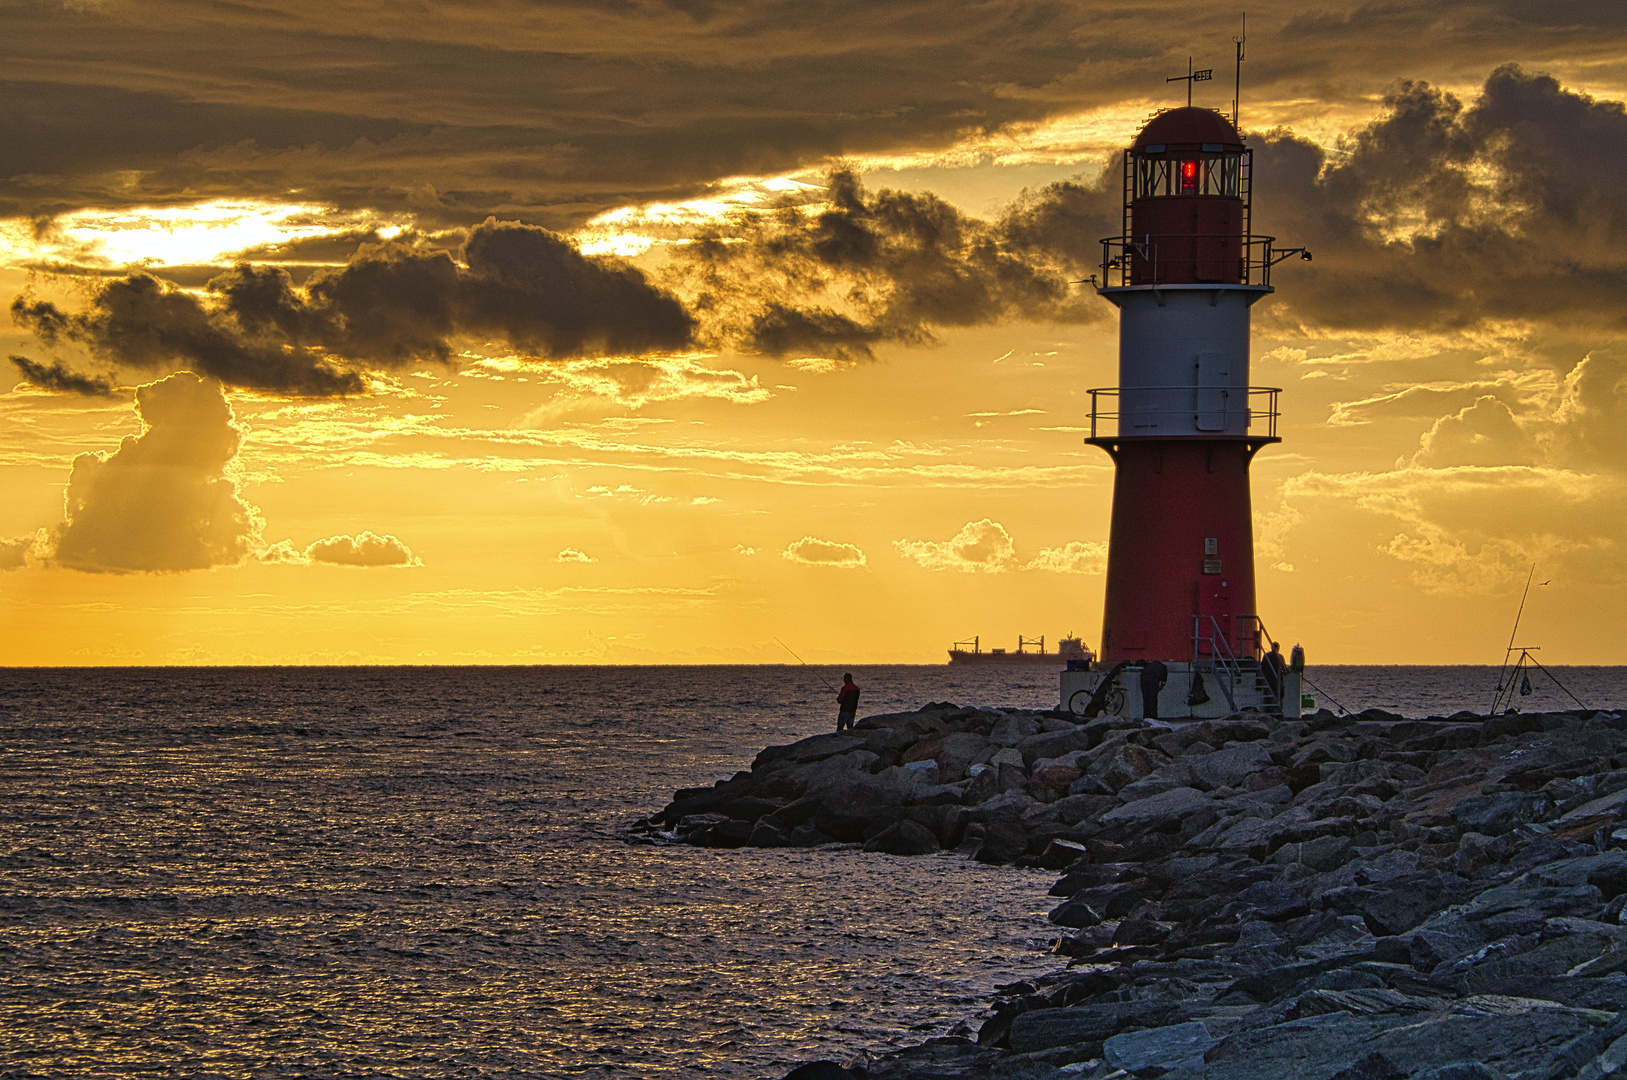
[[1153, 677], [1275, 668], [847, 702]]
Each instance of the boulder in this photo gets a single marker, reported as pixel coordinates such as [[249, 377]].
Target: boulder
[[749, 808], [1007, 806], [1060, 854], [903, 838], [982, 785], [1013, 728], [1134, 931], [1073, 759], [1124, 764], [1074, 809], [1089, 785], [765, 835], [1004, 842], [1050, 744], [1155, 811], [1042, 1029], [1051, 783], [1159, 1048], [835, 771], [814, 748], [1156, 784], [959, 751], [1087, 907], [820, 1070], [1398, 906], [1252, 836], [1229, 767], [1501, 812], [809, 835], [1008, 755]]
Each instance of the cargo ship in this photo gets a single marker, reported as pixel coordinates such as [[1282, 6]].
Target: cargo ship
[[1070, 653]]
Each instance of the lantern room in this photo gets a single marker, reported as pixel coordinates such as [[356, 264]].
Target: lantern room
[[1187, 202]]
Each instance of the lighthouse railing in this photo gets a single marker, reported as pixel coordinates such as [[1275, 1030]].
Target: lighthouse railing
[[1152, 258], [1259, 408]]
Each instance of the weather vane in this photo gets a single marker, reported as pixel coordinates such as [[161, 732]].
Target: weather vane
[[1192, 77]]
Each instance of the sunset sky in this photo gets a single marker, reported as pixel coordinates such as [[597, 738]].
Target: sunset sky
[[637, 332]]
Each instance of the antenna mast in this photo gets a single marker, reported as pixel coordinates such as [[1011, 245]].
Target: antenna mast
[[1237, 90]]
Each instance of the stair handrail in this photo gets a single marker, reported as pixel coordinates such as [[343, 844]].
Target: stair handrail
[[1261, 636], [1220, 654]]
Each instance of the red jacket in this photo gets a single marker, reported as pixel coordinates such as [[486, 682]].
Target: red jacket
[[847, 698]]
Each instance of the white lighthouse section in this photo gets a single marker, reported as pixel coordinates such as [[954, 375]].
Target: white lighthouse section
[[1184, 358]]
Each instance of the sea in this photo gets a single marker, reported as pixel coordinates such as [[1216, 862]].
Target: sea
[[422, 872]]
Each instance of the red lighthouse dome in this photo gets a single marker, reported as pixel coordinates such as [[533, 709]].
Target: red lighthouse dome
[[1189, 126]]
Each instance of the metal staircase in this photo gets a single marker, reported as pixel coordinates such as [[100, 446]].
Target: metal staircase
[[1210, 643]]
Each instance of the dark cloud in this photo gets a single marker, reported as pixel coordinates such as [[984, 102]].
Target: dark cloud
[[58, 379], [871, 267], [390, 306], [139, 322], [532, 288], [552, 112], [1441, 215]]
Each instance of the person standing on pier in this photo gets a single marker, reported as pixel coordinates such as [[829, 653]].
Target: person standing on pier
[[847, 702]]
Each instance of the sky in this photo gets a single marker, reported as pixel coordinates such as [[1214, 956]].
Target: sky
[[698, 331]]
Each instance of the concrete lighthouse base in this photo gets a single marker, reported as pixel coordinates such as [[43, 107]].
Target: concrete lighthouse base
[[1228, 689]]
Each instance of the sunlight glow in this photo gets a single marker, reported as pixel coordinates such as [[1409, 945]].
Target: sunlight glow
[[204, 233]]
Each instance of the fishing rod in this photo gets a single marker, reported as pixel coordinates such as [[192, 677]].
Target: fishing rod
[[1511, 636], [805, 664], [1304, 679]]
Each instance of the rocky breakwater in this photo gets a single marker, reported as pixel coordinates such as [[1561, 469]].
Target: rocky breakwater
[[1004, 785], [1361, 898]]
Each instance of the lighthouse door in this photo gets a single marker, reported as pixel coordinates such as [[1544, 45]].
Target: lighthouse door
[[1211, 389]]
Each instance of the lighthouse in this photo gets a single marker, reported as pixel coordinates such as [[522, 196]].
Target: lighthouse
[[1182, 427]]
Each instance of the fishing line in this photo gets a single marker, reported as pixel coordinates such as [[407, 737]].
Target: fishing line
[[805, 664]]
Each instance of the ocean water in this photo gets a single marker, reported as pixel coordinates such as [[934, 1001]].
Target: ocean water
[[417, 872]]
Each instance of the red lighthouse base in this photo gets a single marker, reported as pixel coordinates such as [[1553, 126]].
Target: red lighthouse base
[[1180, 566]]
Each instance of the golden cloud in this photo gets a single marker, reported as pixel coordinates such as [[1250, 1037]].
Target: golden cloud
[[812, 551], [980, 546]]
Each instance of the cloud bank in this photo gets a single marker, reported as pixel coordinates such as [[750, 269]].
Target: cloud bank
[[1441, 215], [554, 112]]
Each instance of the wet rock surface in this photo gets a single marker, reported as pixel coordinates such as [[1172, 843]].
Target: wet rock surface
[[1356, 897]]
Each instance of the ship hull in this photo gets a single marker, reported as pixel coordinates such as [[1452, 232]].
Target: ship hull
[[956, 657]]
